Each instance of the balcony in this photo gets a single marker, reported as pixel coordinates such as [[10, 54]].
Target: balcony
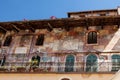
[[21, 63], [58, 67]]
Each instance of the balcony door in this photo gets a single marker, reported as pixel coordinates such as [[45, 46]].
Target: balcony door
[[91, 63], [115, 62], [69, 65]]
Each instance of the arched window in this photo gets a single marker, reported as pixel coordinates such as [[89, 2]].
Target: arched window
[[7, 40], [65, 79], [92, 37], [91, 63], [115, 62], [40, 40], [69, 65]]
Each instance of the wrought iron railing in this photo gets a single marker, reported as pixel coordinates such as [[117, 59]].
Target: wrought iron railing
[[58, 67], [23, 63]]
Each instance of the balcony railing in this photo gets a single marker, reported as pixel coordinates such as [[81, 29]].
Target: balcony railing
[[59, 67], [21, 63]]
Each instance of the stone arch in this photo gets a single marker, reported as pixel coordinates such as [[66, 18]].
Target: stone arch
[[65, 78]]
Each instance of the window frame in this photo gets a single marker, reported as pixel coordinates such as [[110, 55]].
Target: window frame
[[7, 45], [87, 35], [115, 62], [91, 67], [39, 43]]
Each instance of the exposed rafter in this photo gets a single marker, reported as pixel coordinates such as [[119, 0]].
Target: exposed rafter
[[66, 27], [62, 23], [50, 28], [30, 27], [15, 27], [5, 30], [87, 24]]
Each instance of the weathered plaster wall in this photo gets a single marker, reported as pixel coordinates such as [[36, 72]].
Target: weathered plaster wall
[[55, 76], [61, 41], [75, 40]]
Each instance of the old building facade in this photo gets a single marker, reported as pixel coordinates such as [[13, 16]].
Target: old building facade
[[85, 43]]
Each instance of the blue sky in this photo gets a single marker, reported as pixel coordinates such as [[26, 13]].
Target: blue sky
[[17, 10]]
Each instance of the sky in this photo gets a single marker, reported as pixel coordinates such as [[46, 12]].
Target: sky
[[18, 10]]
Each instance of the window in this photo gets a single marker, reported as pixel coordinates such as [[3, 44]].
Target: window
[[69, 65], [40, 40], [7, 41], [92, 37], [91, 63], [115, 62]]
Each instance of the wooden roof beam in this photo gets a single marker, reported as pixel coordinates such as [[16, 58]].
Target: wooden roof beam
[[66, 25], [86, 24], [15, 27], [67, 28], [49, 28], [30, 27], [4, 30]]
